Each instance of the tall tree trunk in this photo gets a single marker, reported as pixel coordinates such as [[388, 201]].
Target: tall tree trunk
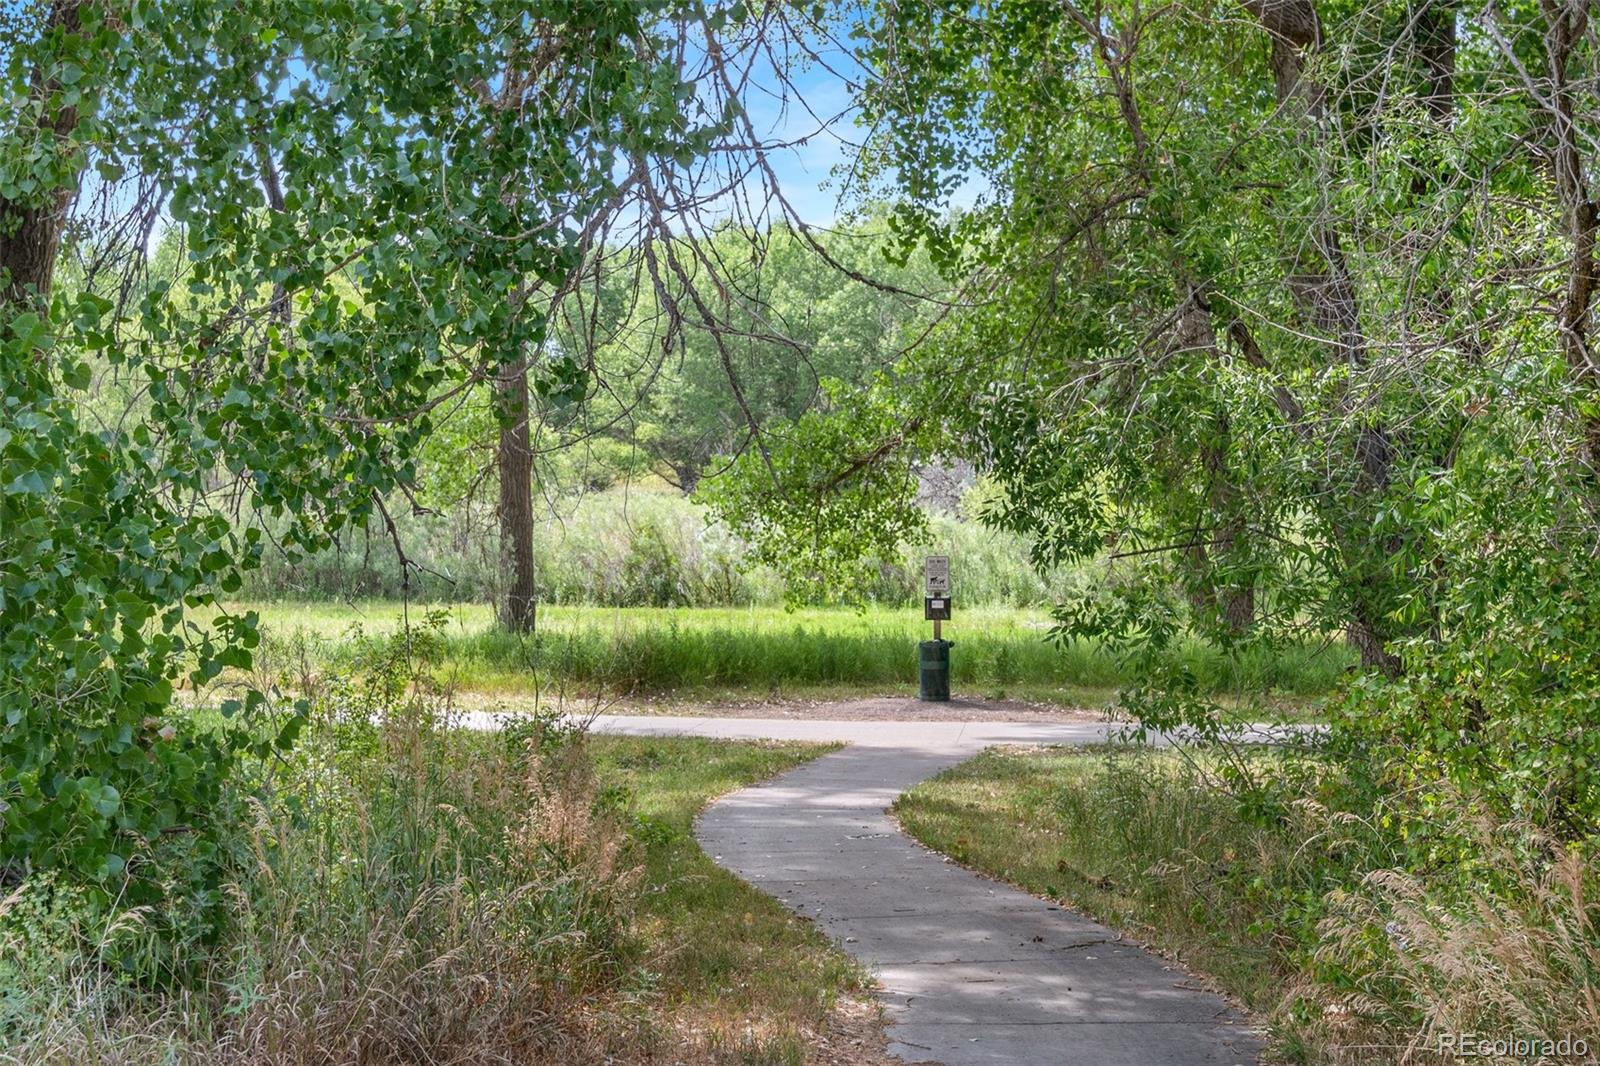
[[514, 457], [1293, 27], [1434, 35], [1567, 22], [1235, 602], [1232, 603], [279, 308], [688, 475], [30, 232], [1325, 288]]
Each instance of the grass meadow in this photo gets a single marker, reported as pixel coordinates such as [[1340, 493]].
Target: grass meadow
[[645, 597], [712, 652], [762, 652]]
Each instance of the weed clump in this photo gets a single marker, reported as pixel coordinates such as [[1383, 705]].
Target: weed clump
[[399, 890]]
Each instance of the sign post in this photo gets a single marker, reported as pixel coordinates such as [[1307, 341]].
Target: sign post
[[936, 581], [933, 681]]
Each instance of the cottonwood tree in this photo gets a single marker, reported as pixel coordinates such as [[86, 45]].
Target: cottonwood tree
[[1284, 307], [365, 229], [832, 327], [707, 313]]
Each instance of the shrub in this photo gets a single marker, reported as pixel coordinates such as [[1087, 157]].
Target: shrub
[[1500, 942], [638, 547], [405, 891]]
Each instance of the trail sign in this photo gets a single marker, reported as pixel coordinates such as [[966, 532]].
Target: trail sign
[[933, 677]]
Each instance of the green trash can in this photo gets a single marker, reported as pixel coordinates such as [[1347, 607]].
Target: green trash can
[[933, 674]]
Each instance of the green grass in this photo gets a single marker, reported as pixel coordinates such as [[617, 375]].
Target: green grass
[[1131, 839], [1357, 923], [709, 652], [731, 957], [410, 892]]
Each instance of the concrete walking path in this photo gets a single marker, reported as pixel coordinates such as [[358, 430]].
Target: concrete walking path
[[971, 971]]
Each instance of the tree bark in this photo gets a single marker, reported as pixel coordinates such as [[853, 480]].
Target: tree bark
[[1567, 21], [279, 308], [1294, 29], [30, 233], [514, 457], [1326, 290], [687, 475], [1233, 604], [1434, 35]]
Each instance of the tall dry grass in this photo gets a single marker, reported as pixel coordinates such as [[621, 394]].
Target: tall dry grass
[[404, 892], [634, 547], [1361, 925], [1515, 956]]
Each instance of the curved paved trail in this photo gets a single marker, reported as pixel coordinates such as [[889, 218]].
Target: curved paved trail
[[971, 971]]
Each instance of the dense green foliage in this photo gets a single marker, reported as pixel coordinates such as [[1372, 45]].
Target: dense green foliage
[[694, 351], [639, 546], [410, 891], [1271, 329], [366, 204], [1289, 306], [793, 327]]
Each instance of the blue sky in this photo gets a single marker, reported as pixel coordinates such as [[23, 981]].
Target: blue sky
[[810, 174], [816, 105]]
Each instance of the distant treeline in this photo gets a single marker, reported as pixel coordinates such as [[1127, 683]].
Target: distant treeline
[[638, 548]]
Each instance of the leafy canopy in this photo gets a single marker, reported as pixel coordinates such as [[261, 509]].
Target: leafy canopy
[[370, 195]]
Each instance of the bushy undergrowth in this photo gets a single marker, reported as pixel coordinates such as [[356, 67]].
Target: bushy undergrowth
[[402, 892], [642, 547], [1361, 925]]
